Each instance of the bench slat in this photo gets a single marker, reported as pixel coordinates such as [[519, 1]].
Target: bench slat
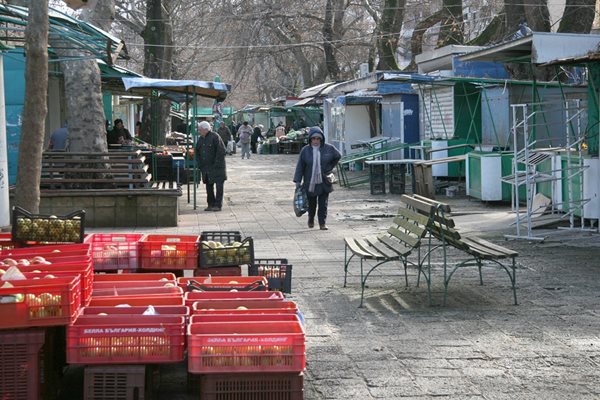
[[488, 249], [380, 246], [411, 215], [410, 226], [419, 205], [441, 206], [132, 171], [57, 182], [366, 247], [441, 231], [398, 247], [92, 161], [354, 248], [411, 241]]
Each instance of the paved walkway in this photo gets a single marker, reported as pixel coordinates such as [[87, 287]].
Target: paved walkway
[[479, 346]]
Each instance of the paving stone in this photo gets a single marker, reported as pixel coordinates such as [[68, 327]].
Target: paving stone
[[478, 347]]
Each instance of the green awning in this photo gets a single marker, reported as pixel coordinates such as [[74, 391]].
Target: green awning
[[74, 34]]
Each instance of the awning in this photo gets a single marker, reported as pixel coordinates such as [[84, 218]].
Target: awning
[[146, 86], [315, 90], [538, 48], [306, 101], [73, 33], [358, 100]]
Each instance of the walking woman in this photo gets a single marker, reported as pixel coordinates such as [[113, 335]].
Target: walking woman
[[316, 161]]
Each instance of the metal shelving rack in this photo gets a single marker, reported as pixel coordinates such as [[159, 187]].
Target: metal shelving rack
[[525, 171]]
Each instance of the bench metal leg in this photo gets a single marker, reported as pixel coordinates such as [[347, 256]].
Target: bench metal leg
[[513, 280], [511, 271], [426, 274], [363, 278], [346, 263]]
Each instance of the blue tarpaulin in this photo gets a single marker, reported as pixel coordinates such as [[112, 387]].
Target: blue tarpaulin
[[214, 90]]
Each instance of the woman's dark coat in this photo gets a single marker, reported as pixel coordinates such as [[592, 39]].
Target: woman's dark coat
[[330, 156]]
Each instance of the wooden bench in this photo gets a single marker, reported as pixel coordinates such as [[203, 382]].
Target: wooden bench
[[480, 252], [102, 170], [113, 187], [396, 244]]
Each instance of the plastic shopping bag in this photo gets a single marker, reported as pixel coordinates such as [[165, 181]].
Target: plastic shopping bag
[[300, 202], [230, 146]]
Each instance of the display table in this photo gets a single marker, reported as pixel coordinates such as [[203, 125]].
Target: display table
[[290, 146]]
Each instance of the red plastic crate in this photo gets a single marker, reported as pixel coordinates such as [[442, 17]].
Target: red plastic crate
[[126, 339], [146, 276], [135, 301], [219, 271], [262, 318], [150, 292], [86, 289], [123, 382], [170, 252], [191, 297], [225, 347], [41, 302], [246, 306], [252, 386], [84, 269], [135, 310], [132, 285], [19, 363], [239, 283], [51, 249], [6, 242], [113, 251]]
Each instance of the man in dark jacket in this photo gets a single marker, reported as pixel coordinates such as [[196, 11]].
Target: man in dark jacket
[[256, 137], [226, 137], [210, 157], [315, 162]]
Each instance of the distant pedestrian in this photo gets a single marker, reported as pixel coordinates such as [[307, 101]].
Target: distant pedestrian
[[58, 139], [210, 157], [315, 162], [245, 137], [256, 137], [226, 137], [279, 130]]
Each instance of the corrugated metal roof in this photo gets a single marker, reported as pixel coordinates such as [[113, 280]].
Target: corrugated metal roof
[[538, 48], [74, 33]]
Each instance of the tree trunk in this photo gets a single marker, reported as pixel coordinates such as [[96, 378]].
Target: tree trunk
[[537, 15], [451, 31], [578, 16], [85, 111], [390, 25], [416, 40], [83, 89], [158, 63], [27, 193], [333, 69]]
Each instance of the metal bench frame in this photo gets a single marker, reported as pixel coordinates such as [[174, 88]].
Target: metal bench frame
[[481, 251], [396, 244]]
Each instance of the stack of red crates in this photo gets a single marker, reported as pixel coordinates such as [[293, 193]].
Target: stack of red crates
[[57, 279], [133, 320], [244, 343]]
